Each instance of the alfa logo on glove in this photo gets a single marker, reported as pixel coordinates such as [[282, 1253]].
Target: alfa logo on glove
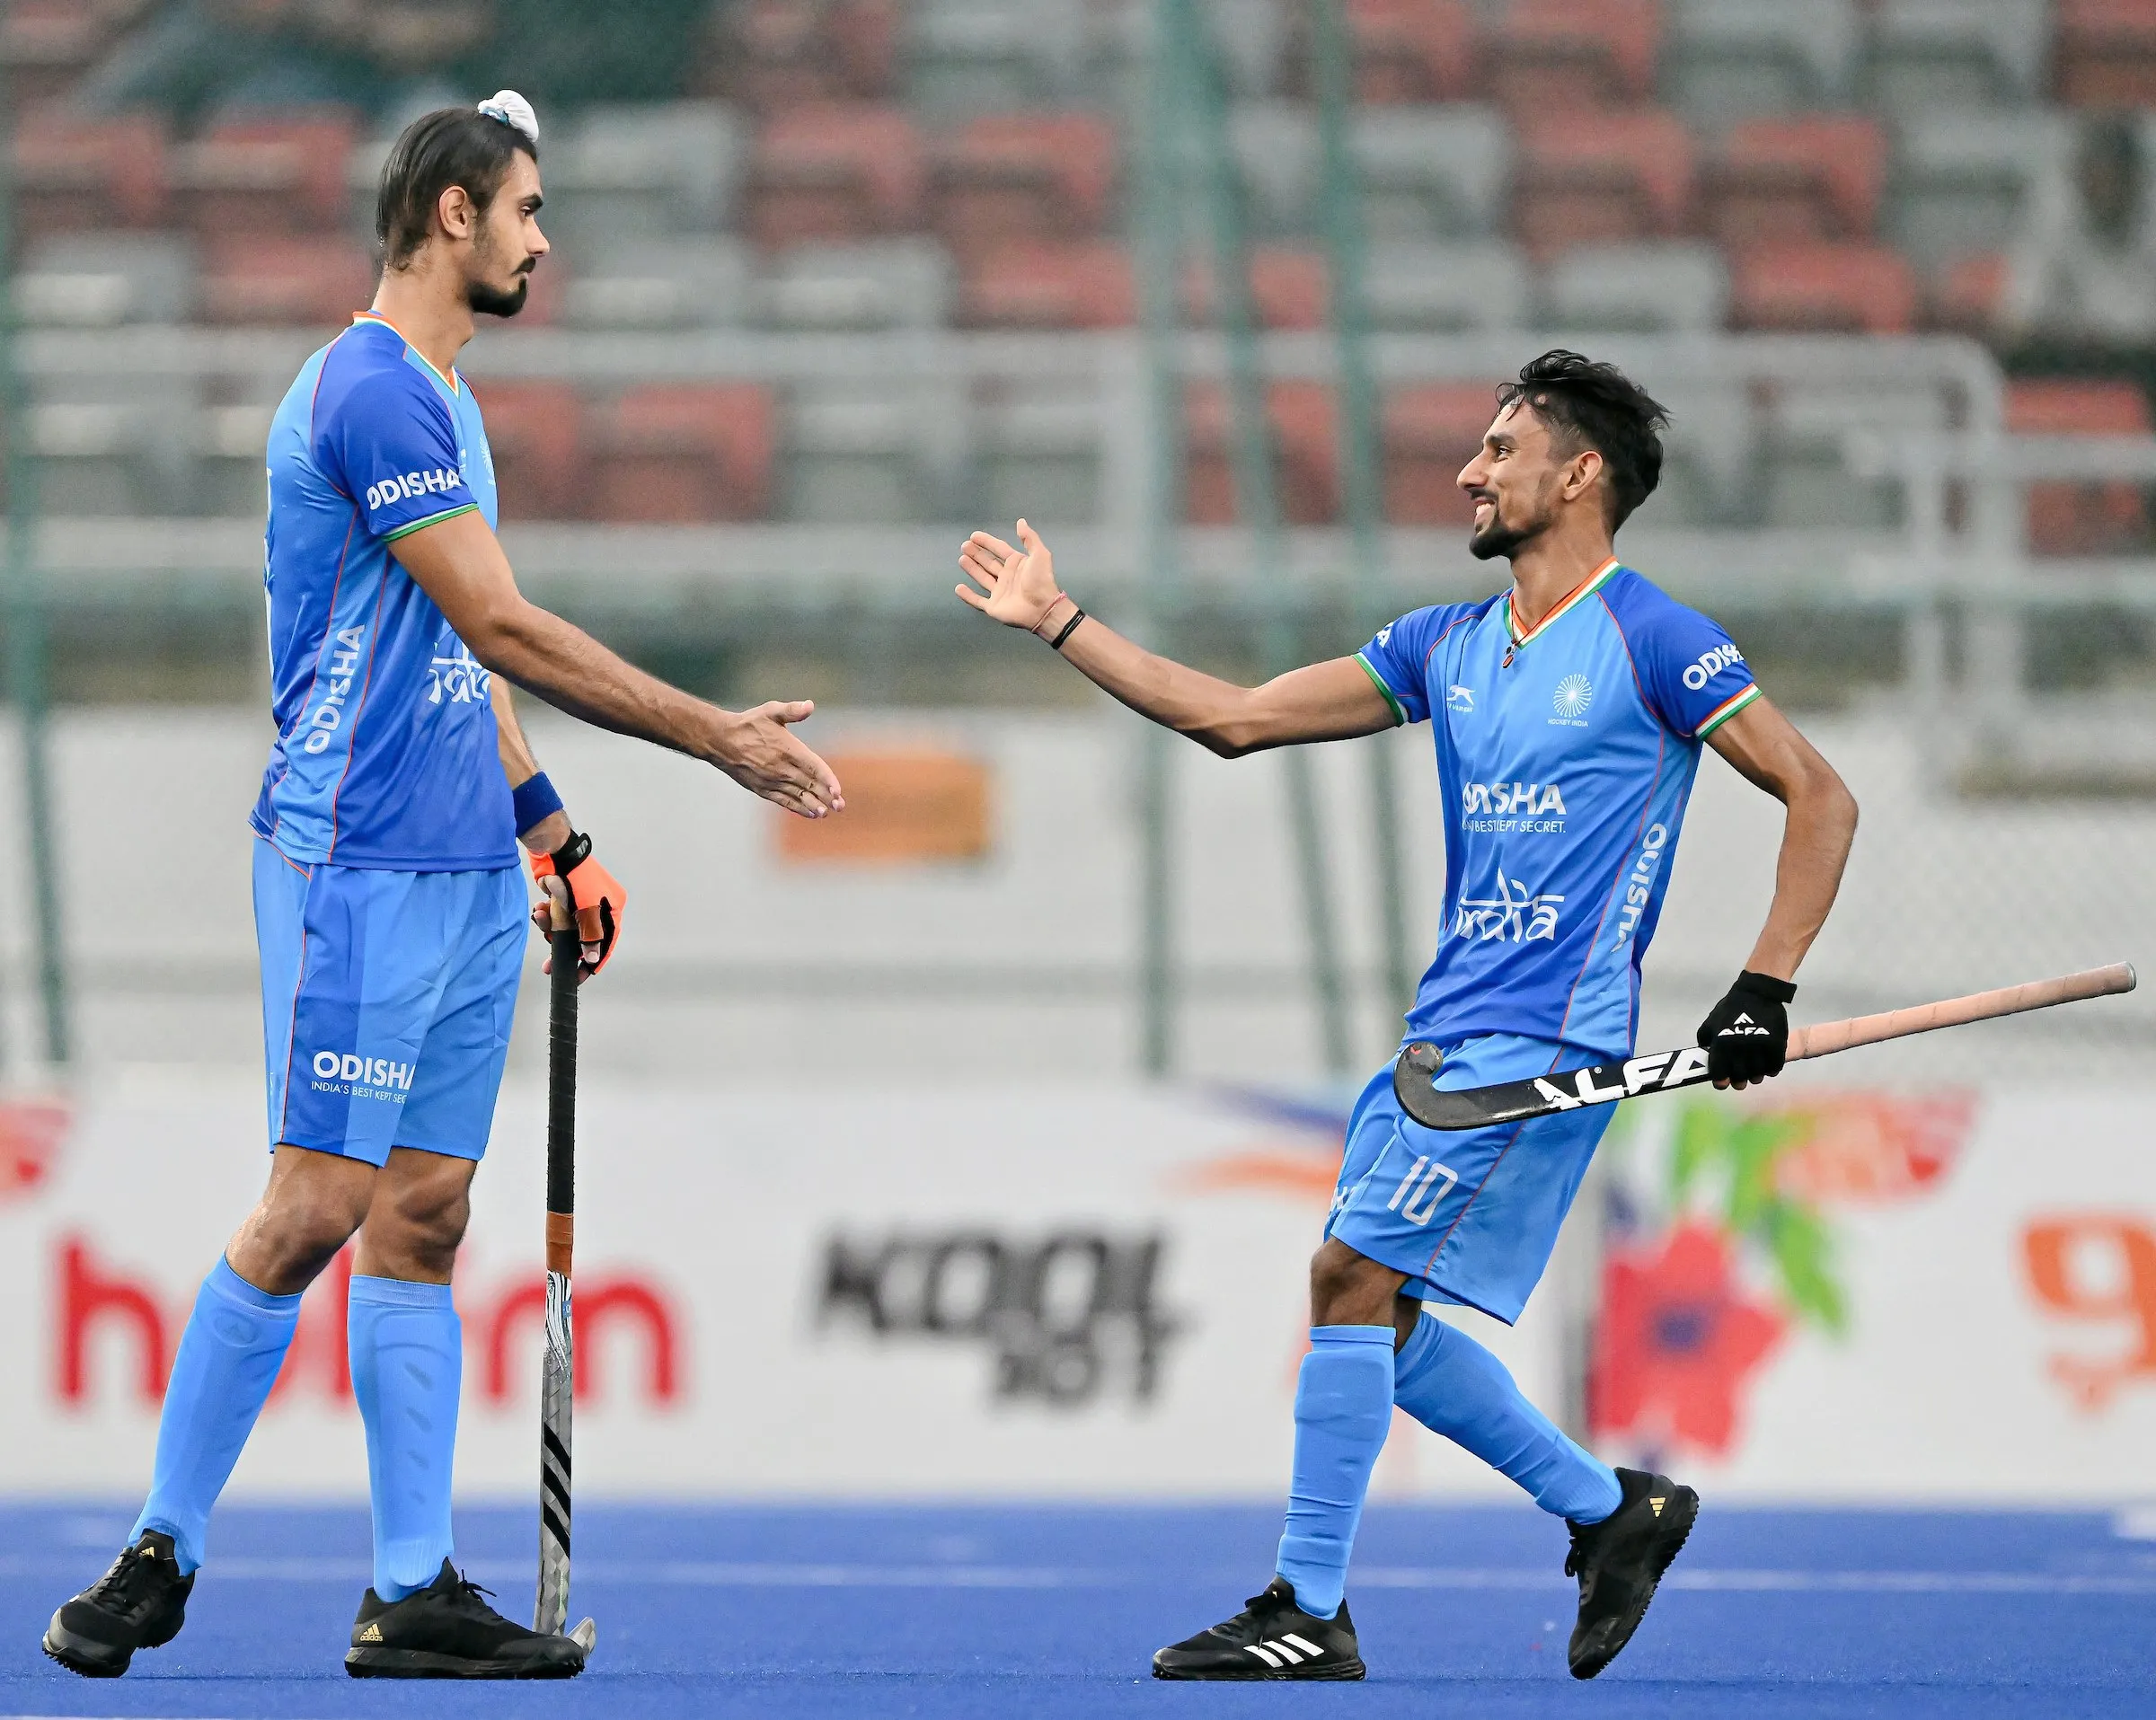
[[1746, 1035]]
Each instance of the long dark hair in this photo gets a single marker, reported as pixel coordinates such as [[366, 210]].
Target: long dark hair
[[449, 146]]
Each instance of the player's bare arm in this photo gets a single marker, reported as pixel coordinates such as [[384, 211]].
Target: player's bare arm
[[1747, 1034], [1770, 752], [1323, 702], [460, 564]]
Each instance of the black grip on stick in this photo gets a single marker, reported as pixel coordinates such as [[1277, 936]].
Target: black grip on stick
[[561, 1071]]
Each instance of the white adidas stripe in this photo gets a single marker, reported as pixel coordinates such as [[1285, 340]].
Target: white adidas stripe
[[1311, 1649], [1283, 1649], [1263, 1654]]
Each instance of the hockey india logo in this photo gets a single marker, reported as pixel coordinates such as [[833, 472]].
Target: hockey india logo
[[1574, 694]]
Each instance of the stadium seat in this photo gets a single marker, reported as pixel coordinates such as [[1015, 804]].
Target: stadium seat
[[1971, 294], [1289, 289], [1804, 481], [1820, 285], [876, 284], [1726, 60], [684, 454], [1603, 178], [1083, 283], [1676, 286], [1429, 433], [1973, 183], [1815, 176], [647, 171], [100, 280], [2082, 519], [999, 177], [685, 283], [89, 175], [45, 45], [971, 56], [777, 54], [1404, 50], [1253, 39], [1433, 172], [1957, 54], [875, 451], [1040, 456], [2105, 54], [1427, 172], [230, 438], [535, 430], [1305, 432], [1558, 55], [836, 173], [1422, 286], [316, 279], [274, 173], [1709, 464]]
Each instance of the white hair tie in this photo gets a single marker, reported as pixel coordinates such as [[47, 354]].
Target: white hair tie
[[514, 112]]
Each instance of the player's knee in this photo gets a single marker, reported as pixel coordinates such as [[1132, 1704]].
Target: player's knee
[[1349, 1289], [420, 1223], [291, 1238]]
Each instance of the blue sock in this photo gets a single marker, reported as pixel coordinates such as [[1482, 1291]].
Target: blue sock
[[1452, 1386], [1343, 1408], [408, 1368], [229, 1356]]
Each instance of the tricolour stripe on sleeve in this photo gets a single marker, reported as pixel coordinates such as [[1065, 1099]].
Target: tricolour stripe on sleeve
[[1399, 715], [1728, 708], [431, 519]]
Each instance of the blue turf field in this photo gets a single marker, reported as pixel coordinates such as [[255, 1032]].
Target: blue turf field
[[1041, 1614]]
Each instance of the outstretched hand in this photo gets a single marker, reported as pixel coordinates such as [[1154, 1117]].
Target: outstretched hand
[[1019, 583], [755, 749]]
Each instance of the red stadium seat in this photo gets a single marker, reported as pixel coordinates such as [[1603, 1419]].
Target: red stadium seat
[[1289, 289], [1969, 295], [1603, 178], [684, 454], [1429, 433], [535, 430], [282, 174], [45, 45], [1082, 284], [1003, 177], [1405, 51], [2104, 55], [1546, 56], [89, 175], [2082, 519], [1814, 176], [1810, 284], [836, 171], [281, 278], [777, 54], [1305, 432]]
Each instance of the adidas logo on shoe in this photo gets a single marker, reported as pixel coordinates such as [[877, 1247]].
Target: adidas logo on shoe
[[1657, 1505], [1282, 1651], [372, 1634]]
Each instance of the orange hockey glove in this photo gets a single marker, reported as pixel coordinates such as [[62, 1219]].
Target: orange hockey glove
[[598, 896]]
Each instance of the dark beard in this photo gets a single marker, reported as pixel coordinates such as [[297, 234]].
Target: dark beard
[[1499, 540], [492, 301]]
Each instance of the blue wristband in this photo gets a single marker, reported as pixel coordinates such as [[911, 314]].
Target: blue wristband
[[535, 799]]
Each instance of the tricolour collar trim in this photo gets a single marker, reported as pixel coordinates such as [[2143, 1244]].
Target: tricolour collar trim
[[448, 382], [1578, 594]]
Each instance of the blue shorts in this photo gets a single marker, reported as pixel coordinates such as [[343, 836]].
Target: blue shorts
[[387, 1003], [1469, 1215]]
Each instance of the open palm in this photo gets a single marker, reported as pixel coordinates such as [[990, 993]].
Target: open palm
[[1017, 586]]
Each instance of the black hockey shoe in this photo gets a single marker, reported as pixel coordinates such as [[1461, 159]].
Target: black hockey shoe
[[141, 1602], [446, 1630], [1620, 1560], [1271, 1638]]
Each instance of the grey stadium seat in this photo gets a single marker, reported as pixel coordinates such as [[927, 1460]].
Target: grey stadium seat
[[1679, 287], [644, 172], [1973, 181], [101, 280], [876, 284], [685, 283], [1425, 286], [1729, 59], [1928, 54]]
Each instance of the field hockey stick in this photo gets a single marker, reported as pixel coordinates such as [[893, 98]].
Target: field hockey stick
[[557, 1390], [1662, 1072]]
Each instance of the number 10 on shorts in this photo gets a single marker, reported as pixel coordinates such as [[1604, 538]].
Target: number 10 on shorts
[[1421, 1190]]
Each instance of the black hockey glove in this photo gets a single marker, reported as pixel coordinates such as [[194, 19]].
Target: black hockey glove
[[1746, 1035]]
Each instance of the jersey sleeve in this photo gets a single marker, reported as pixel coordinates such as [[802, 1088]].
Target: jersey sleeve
[[1397, 661], [390, 444], [1694, 678]]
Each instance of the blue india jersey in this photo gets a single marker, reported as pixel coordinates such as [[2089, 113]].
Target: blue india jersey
[[1566, 753], [385, 754]]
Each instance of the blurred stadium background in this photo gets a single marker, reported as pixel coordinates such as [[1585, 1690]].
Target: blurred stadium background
[[1017, 1089]]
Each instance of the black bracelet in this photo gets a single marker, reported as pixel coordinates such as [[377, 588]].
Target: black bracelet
[[1069, 627]]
